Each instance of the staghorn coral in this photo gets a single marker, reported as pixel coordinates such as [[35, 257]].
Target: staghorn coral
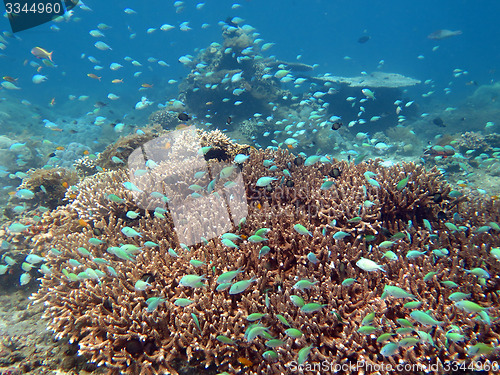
[[108, 315], [85, 167], [222, 148]]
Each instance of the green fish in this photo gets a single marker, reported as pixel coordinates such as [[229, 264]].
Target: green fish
[[255, 316], [265, 181], [282, 319], [408, 342], [182, 302], [367, 330], [402, 184], [193, 281], [227, 277], [293, 333], [312, 307], [304, 284], [225, 340], [389, 349], [130, 232], [241, 286], [153, 303], [368, 319], [424, 318], [274, 343], [348, 282], [303, 354], [384, 337], [386, 244], [269, 355], [256, 239], [297, 301], [115, 198], [469, 306]]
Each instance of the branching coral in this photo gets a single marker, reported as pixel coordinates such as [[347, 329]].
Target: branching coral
[[137, 308]]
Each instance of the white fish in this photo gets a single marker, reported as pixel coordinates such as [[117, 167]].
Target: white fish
[[9, 86], [185, 60], [166, 27], [102, 46], [369, 265], [115, 66], [129, 11], [112, 96], [38, 78], [96, 33]]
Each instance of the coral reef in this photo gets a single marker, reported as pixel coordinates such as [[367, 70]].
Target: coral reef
[[124, 146], [49, 185], [165, 118], [138, 292], [85, 167]]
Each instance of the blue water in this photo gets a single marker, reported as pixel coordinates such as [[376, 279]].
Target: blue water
[[323, 32], [320, 33]]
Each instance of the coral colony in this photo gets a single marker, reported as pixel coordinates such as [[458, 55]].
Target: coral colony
[[276, 261]]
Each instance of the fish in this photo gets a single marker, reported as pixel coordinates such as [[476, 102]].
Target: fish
[[265, 181], [94, 76], [443, 34], [193, 281], [368, 93], [102, 46], [130, 232], [41, 53], [364, 39], [301, 229], [241, 286], [438, 121], [424, 318], [395, 292], [369, 265]]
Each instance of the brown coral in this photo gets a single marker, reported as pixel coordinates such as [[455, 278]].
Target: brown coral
[[50, 185], [107, 313]]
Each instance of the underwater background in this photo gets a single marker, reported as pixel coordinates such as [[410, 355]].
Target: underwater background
[[365, 129]]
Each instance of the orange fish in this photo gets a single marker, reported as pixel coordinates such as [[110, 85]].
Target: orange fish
[[56, 129], [209, 103], [65, 185], [60, 148], [86, 152], [117, 81], [92, 75], [244, 236], [168, 145], [40, 53], [245, 361], [72, 196], [147, 85], [290, 146], [9, 79], [82, 223], [259, 206], [52, 102]]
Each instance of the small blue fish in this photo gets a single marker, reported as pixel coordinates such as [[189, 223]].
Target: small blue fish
[[132, 215], [265, 181], [130, 232], [340, 235], [130, 186], [311, 257], [241, 286], [301, 229]]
